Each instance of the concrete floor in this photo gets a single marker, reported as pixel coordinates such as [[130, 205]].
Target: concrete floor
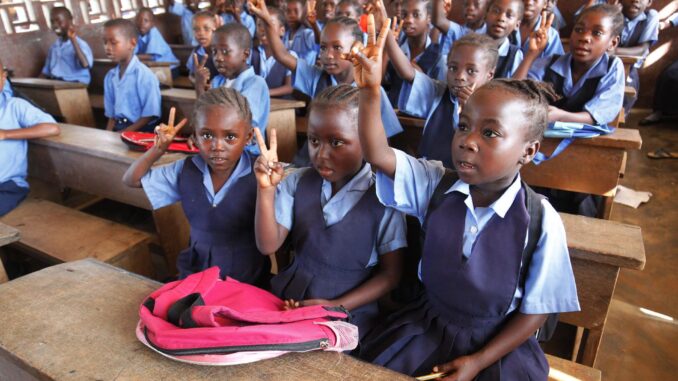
[[637, 346]]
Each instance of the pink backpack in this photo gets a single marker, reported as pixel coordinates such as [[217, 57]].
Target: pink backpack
[[203, 319]]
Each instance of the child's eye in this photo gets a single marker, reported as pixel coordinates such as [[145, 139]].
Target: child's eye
[[598, 33], [323, 48], [490, 133], [415, 15], [206, 136], [579, 29], [462, 126], [231, 137], [336, 143], [452, 68], [472, 71], [313, 141]]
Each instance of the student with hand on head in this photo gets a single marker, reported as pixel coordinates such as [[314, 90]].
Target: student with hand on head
[[217, 187], [186, 11], [347, 245], [231, 50], [69, 58], [488, 285], [278, 77], [535, 11], [204, 25], [131, 90], [474, 21], [19, 121], [150, 43]]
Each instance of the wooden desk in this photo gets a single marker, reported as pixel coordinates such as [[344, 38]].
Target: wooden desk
[[104, 65], [183, 53], [83, 328], [281, 117], [67, 100], [7, 235]]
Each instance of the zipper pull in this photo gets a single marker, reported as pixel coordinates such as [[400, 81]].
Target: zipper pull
[[324, 344]]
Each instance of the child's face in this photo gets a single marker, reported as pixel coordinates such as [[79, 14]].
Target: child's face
[[491, 139], [348, 10], [474, 12], [333, 144], [533, 9], [334, 41], [396, 7], [144, 21], [294, 14], [60, 23], [328, 8], [502, 18], [229, 58], [591, 37], [467, 65], [632, 8], [203, 27], [415, 18], [221, 135], [117, 45], [550, 5], [262, 26]]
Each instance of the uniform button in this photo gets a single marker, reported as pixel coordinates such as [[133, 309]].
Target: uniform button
[[474, 229]]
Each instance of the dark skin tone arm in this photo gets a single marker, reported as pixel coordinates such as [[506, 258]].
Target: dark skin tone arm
[[399, 60], [78, 51], [40, 130], [312, 20], [141, 122], [439, 18], [258, 7]]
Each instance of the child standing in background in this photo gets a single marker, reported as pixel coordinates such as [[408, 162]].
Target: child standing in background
[[186, 12], [150, 43], [131, 90], [69, 58], [204, 25]]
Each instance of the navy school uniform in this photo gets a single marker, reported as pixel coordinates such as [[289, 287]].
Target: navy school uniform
[[431, 99], [430, 61], [268, 68], [154, 44], [337, 238], [553, 45], [209, 64], [135, 95], [222, 223], [15, 113], [186, 22], [62, 62], [510, 57], [454, 32], [475, 287], [642, 29], [302, 43]]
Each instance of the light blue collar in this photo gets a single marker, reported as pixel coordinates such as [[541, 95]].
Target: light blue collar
[[503, 203]]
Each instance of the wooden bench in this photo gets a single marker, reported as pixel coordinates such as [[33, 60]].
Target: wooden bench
[[57, 234], [7, 235], [102, 66], [81, 326], [281, 117], [66, 100]]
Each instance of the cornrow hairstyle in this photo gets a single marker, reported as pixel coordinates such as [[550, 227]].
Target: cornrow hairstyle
[[147, 10], [238, 33], [347, 23], [225, 97], [278, 13], [353, 3], [341, 96], [205, 14], [608, 10], [537, 96], [521, 7], [483, 42], [126, 27], [65, 10]]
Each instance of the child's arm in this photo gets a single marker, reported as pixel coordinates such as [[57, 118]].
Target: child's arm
[[258, 7], [312, 19], [165, 133], [82, 58], [399, 60], [40, 130], [202, 75], [538, 41], [270, 235], [283, 90], [439, 17]]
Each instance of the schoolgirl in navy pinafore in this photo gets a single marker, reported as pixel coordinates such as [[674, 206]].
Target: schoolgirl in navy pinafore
[[330, 261], [427, 62], [504, 63], [465, 302], [221, 235], [436, 142]]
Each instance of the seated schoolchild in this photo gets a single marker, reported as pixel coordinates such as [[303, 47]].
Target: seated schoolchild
[[69, 58], [502, 18], [234, 12], [204, 25], [186, 11], [278, 77], [150, 43], [474, 21], [298, 37], [535, 14]]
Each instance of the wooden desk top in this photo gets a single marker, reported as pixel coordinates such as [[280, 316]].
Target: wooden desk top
[[179, 95], [8, 234], [83, 328], [43, 83], [97, 143]]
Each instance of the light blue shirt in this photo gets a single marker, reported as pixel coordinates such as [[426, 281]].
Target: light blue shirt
[[392, 233], [161, 184], [674, 19], [246, 20], [437, 71], [62, 62], [255, 89], [154, 44], [135, 95], [454, 32], [306, 77], [17, 113], [186, 22], [558, 20], [549, 285], [606, 103], [553, 45], [503, 51], [302, 43], [266, 63], [649, 34], [421, 98], [8, 89]]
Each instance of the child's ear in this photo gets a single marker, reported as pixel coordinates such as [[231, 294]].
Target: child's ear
[[133, 41], [614, 42], [247, 53], [490, 74], [531, 149], [250, 134]]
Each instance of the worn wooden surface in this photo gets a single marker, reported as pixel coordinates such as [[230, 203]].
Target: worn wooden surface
[[563, 370], [7, 235], [81, 327], [66, 100]]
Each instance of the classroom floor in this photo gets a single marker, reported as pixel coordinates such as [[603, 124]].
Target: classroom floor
[[635, 345]]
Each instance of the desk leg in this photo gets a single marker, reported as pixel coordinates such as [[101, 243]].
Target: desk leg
[[286, 130], [71, 103], [173, 231], [3, 274]]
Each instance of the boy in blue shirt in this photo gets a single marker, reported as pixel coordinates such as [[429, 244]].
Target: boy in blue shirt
[[231, 49], [474, 21], [18, 121], [150, 43], [69, 58], [186, 12], [298, 38], [131, 90], [535, 11], [503, 17], [234, 12]]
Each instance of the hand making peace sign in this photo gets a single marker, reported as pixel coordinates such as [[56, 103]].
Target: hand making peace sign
[[540, 37], [367, 60], [165, 133], [202, 74], [268, 170]]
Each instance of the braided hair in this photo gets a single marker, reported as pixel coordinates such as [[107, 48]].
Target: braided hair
[[483, 42], [608, 10], [224, 97], [341, 96], [348, 23], [537, 96]]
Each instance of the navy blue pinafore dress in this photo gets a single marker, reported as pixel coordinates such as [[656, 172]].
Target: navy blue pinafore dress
[[465, 301], [330, 261], [436, 142]]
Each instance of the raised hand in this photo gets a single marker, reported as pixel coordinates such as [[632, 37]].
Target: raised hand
[[268, 170], [447, 6], [165, 133], [71, 32], [463, 94], [202, 74], [367, 60], [396, 27], [311, 14], [258, 7], [540, 37]]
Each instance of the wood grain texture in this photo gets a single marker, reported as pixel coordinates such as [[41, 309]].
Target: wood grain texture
[[65, 100], [83, 329], [8, 234], [562, 369]]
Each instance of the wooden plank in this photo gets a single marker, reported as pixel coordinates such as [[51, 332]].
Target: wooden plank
[[44, 83], [8, 234], [53, 337], [66, 100], [182, 52], [563, 370]]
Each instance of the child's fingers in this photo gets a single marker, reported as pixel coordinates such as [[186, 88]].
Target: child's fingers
[[273, 141], [551, 17], [204, 60], [381, 41], [371, 30], [196, 63], [179, 126], [170, 121], [260, 141]]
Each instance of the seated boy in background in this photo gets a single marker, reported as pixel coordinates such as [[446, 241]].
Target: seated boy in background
[[204, 25], [69, 58], [19, 121], [150, 43], [131, 90]]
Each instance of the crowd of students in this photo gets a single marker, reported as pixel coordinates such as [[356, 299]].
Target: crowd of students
[[494, 260]]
